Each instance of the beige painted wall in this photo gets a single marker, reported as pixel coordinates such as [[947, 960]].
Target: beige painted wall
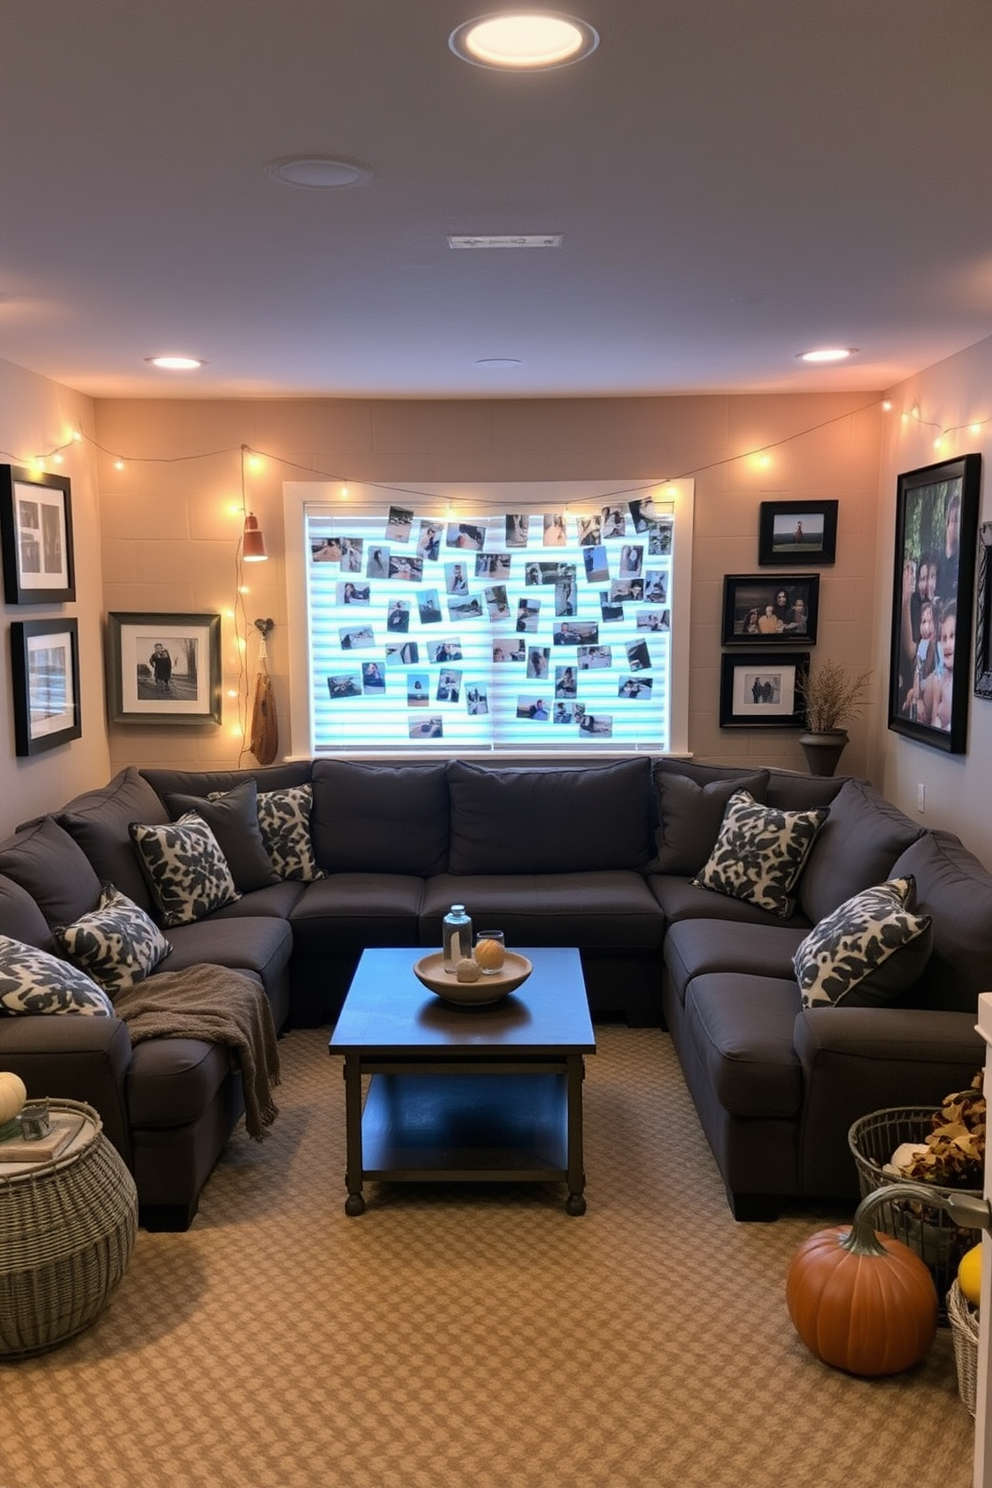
[[171, 517]]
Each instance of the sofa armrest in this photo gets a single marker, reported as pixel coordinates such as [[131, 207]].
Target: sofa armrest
[[73, 1058], [859, 1060]]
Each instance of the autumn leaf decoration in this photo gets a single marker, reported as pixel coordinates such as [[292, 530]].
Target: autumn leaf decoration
[[954, 1152]]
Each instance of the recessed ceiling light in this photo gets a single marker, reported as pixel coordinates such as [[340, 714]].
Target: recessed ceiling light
[[318, 172], [497, 364], [528, 40], [827, 354], [176, 363]]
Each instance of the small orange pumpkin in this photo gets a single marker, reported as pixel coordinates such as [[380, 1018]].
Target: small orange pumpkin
[[860, 1300]]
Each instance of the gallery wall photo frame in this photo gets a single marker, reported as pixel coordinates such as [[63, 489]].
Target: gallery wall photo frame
[[36, 537], [163, 668], [44, 672], [761, 610], [761, 689], [797, 533], [933, 586]]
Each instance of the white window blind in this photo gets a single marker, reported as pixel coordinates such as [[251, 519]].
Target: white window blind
[[527, 628]]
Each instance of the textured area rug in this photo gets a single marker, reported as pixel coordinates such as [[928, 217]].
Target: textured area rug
[[472, 1337]]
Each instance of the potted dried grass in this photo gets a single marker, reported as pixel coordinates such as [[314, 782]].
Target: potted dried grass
[[832, 697]]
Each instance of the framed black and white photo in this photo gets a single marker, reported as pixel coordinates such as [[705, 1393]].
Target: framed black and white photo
[[760, 690], [797, 533], [44, 670], [759, 611], [933, 583], [36, 537], [163, 668]]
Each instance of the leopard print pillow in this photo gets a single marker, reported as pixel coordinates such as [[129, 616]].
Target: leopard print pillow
[[868, 951], [760, 852]]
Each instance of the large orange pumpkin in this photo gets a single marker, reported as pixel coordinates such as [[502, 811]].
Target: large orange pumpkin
[[860, 1300]]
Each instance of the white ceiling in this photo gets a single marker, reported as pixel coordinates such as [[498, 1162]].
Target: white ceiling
[[735, 180]]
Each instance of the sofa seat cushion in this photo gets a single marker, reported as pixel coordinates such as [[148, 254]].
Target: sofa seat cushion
[[262, 945], [682, 900], [696, 947], [172, 1081], [855, 849], [348, 911], [274, 902], [588, 910], [760, 853], [372, 818], [741, 1028], [98, 821]]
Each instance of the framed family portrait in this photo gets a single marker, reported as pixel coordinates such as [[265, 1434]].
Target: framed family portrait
[[933, 584], [759, 611], [44, 670], [36, 537], [761, 690], [797, 533], [163, 668]]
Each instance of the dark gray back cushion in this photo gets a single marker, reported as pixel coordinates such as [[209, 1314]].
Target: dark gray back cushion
[[689, 817], [20, 917], [956, 889], [98, 821], [855, 849], [49, 865], [370, 818], [205, 782], [233, 818], [549, 819]]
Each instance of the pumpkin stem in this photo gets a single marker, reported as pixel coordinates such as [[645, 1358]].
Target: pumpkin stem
[[860, 1238]]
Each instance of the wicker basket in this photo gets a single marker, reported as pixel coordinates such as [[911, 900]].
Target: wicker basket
[[963, 1318], [66, 1231], [926, 1229]]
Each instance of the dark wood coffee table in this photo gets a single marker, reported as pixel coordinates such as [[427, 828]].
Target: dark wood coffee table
[[435, 1110]]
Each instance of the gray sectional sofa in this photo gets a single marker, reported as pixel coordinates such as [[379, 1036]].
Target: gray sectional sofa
[[598, 854]]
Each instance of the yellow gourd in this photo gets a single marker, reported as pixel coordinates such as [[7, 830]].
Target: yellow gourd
[[13, 1094], [970, 1274], [489, 955]]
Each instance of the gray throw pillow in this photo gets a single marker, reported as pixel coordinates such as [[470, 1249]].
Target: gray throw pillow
[[117, 944], [233, 819], [32, 981], [690, 815], [760, 853], [186, 870], [868, 951]]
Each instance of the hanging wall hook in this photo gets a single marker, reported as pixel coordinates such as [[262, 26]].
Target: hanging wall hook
[[266, 627]]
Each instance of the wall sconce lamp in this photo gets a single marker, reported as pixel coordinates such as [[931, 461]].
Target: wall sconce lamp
[[254, 543]]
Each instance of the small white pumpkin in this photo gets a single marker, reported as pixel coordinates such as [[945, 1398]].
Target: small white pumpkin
[[13, 1094], [467, 971]]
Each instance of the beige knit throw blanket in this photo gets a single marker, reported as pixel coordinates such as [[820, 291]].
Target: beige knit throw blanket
[[221, 1007]]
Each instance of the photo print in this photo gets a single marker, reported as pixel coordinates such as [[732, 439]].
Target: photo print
[[759, 610], [597, 564], [600, 724], [638, 688], [464, 609], [627, 591], [517, 529], [455, 578], [555, 534], [528, 611], [427, 728], [448, 650], [353, 640], [565, 682], [535, 708], [399, 524], [449, 687], [398, 616], [761, 690], [631, 560], [351, 554], [497, 603], [655, 586], [326, 550], [406, 654], [418, 689], [797, 532], [537, 661], [638, 656], [595, 658], [614, 522], [477, 699], [377, 563], [409, 570], [373, 677], [429, 607], [350, 593], [344, 685], [608, 608], [493, 565], [429, 541], [563, 713], [643, 513], [590, 531], [565, 597], [506, 651], [660, 539], [655, 620], [465, 535]]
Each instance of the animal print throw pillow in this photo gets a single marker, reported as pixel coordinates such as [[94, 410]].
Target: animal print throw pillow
[[868, 951], [284, 821], [760, 852], [32, 981], [117, 944], [186, 871]]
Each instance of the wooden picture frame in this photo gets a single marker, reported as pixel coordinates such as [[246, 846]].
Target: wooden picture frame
[[983, 621], [36, 537], [759, 610], [933, 584], [797, 532], [163, 668], [44, 672], [761, 689]]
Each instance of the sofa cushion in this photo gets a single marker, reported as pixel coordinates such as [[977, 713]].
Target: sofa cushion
[[549, 819], [370, 818], [284, 822], [349, 911], [870, 950], [955, 889], [117, 944], [98, 821], [690, 815], [20, 917], [172, 1081], [49, 865], [681, 899], [217, 782], [32, 981], [860, 841], [760, 853], [741, 1028], [614, 909], [697, 947], [185, 868], [233, 819]]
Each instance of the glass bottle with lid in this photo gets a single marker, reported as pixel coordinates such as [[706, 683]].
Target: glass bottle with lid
[[456, 936]]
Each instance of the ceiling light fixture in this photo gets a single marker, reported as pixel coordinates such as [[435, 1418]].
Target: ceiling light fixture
[[175, 363], [529, 41], [505, 240], [318, 172], [497, 364], [827, 354]]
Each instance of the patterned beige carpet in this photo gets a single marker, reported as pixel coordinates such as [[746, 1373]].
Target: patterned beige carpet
[[471, 1338]]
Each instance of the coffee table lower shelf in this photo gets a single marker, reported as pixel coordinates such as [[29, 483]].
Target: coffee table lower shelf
[[491, 1125]]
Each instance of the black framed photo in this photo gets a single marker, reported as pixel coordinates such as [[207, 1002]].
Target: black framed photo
[[761, 690], [933, 583], [44, 671], [36, 537], [797, 532], [759, 611], [983, 624], [163, 668]]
